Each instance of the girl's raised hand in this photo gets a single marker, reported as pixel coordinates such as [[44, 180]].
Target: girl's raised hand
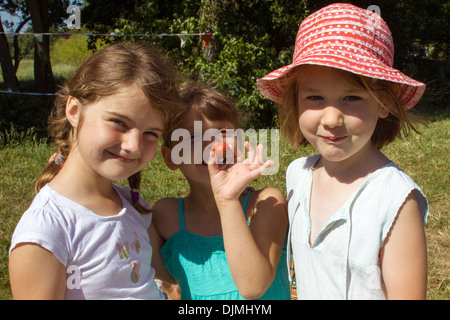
[[228, 181]]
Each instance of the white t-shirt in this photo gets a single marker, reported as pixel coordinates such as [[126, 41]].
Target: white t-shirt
[[105, 257], [343, 261]]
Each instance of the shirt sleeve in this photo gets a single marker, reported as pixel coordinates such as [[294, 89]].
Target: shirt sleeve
[[45, 229], [397, 187]]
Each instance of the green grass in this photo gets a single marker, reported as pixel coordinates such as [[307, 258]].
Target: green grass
[[423, 157], [25, 72]]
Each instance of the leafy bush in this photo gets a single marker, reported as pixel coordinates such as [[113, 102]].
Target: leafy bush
[[71, 51]]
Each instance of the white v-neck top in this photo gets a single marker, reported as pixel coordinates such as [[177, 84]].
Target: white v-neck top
[[343, 261]]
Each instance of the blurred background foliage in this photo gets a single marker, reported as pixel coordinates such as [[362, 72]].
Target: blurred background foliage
[[250, 39]]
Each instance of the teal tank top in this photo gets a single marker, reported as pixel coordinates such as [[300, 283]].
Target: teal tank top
[[200, 266]]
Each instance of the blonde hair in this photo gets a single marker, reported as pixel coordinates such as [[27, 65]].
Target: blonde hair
[[103, 74], [398, 123]]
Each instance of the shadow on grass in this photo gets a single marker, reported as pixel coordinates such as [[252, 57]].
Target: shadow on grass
[[23, 112]]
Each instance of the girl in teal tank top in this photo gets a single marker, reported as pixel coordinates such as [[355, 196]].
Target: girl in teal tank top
[[217, 243], [200, 266]]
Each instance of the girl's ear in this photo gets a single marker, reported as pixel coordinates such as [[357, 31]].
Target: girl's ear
[[383, 112], [167, 155], [73, 111]]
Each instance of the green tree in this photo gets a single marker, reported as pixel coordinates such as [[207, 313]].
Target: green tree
[[249, 38], [44, 14], [9, 74], [254, 37]]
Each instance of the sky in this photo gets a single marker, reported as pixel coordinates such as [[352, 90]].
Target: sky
[[16, 20]]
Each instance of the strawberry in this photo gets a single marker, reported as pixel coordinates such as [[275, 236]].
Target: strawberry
[[220, 148]]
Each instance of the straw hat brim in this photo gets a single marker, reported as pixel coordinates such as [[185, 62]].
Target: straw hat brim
[[272, 86]]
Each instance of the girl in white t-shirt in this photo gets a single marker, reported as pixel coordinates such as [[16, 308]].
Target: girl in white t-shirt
[[84, 237], [356, 220]]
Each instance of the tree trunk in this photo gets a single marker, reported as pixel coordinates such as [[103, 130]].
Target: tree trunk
[[9, 75], [209, 12], [17, 57], [43, 75]]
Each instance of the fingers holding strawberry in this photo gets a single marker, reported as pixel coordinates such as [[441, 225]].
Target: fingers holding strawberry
[[228, 181]]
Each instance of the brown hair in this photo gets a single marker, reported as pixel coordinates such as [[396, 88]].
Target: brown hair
[[103, 74], [208, 102], [398, 123]]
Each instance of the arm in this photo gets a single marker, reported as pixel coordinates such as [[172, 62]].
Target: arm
[[35, 273], [404, 255], [252, 253], [164, 225], [157, 243]]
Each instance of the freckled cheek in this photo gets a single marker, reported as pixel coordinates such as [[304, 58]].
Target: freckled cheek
[[99, 138], [107, 136], [360, 127], [308, 122]]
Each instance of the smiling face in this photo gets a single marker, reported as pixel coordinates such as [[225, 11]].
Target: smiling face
[[336, 118], [117, 136]]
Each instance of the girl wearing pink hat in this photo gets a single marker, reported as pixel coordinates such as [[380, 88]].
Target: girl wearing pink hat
[[356, 219]]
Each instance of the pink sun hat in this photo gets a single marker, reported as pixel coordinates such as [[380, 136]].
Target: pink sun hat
[[346, 37]]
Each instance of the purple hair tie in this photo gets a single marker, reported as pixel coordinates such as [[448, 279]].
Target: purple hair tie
[[134, 195]]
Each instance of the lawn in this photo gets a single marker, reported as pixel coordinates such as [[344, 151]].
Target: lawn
[[424, 158]]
